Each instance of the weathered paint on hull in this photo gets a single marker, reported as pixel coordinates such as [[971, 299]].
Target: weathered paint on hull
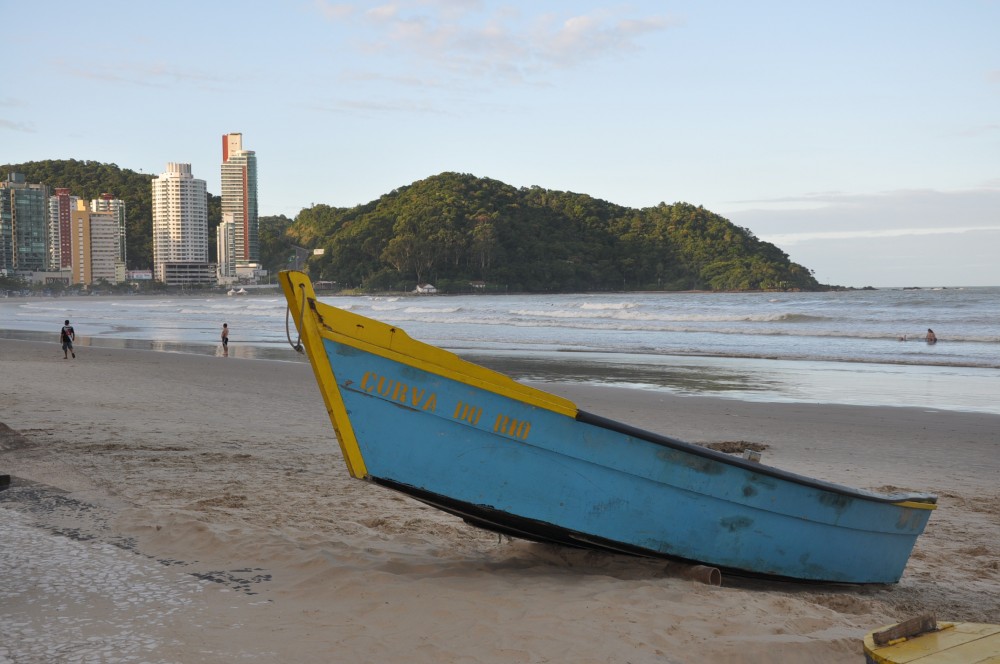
[[425, 422]]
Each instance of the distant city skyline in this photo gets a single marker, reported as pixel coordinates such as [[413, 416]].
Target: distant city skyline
[[860, 138], [50, 236]]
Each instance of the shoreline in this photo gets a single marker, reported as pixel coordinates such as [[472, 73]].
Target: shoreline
[[764, 380], [224, 477], [275, 288]]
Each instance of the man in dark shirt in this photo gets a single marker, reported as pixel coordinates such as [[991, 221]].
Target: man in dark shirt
[[67, 336]]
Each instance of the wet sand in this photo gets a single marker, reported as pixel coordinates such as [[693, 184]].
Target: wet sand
[[180, 508]]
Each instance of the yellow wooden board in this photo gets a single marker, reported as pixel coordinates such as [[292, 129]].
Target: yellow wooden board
[[952, 643]]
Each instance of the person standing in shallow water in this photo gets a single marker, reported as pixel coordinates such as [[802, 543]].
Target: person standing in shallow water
[[67, 336], [931, 338], [225, 339]]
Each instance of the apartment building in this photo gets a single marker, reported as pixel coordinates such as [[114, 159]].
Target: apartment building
[[24, 223], [95, 247], [61, 208], [180, 228], [240, 254], [114, 206]]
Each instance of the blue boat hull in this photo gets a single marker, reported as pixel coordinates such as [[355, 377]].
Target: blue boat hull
[[428, 424]]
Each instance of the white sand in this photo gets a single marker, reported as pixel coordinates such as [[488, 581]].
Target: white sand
[[180, 508]]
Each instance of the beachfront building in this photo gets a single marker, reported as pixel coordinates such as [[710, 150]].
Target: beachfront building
[[95, 247], [180, 228], [24, 226], [61, 208], [116, 207], [225, 242], [81, 249], [240, 254]]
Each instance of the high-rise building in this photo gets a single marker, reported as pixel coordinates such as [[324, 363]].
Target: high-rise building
[[61, 207], [80, 242], [116, 207], [95, 246], [180, 228], [239, 199], [225, 236], [24, 225]]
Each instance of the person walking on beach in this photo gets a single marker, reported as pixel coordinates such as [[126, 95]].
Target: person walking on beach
[[225, 339], [931, 338], [67, 336]]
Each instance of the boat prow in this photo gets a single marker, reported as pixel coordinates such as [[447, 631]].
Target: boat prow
[[525, 462]]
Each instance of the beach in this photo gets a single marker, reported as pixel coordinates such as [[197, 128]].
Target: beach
[[170, 507]]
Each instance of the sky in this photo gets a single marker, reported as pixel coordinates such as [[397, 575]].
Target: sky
[[862, 138]]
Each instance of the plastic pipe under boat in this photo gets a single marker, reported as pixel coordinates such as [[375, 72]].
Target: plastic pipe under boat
[[701, 573]]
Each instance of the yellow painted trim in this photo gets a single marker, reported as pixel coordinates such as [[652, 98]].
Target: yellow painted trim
[[394, 344], [951, 642], [874, 656], [916, 505], [455, 368], [298, 289]]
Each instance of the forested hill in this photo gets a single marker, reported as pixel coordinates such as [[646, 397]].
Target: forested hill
[[453, 229]]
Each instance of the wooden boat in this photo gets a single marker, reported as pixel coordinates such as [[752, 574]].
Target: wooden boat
[[524, 462], [924, 640]]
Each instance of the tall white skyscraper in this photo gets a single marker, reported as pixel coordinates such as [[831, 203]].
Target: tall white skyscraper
[[239, 202], [180, 228]]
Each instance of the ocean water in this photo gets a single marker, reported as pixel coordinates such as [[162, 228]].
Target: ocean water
[[857, 347]]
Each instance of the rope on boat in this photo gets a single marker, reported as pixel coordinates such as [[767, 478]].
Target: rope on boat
[[298, 342]]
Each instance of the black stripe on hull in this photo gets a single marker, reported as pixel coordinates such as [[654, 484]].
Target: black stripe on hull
[[506, 523]]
